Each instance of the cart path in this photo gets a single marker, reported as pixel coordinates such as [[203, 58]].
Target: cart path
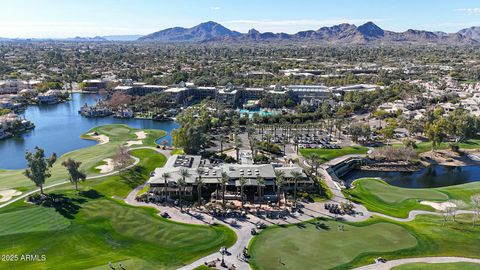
[[390, 264]]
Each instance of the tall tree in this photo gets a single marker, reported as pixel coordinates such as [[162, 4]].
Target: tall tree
[[181, 186], [122, 158], [223, 181], [242, 183], [279, 182], [199, 183], [295, 177], [38, 166], [165, 177], [73, 168]]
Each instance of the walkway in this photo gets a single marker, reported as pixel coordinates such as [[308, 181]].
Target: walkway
[[390, 264], [135, 162]]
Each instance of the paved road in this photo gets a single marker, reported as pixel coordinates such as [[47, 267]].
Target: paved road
[[390, 264]]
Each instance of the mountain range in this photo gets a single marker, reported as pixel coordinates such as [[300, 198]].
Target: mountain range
[[368, 33]]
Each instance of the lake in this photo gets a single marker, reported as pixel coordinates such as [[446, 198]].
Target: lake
[[430, 177], [58, 128]]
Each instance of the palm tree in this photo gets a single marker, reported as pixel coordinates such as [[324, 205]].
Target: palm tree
[[238, 144], [165, 177], [199, 183], [260, 185], [295, 176], [314, 162], [279, 181], [243, 182], [181, 185], [223, 181]]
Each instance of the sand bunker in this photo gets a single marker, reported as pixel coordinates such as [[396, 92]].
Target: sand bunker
[[107, 167], [438, 206], [130, 143], [7, 194], [141, 135], [102, 139]]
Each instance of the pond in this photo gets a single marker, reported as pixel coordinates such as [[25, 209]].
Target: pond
[[58, 129], [429, 177]]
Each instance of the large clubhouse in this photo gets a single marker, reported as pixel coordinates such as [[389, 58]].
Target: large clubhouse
[[249, 177]]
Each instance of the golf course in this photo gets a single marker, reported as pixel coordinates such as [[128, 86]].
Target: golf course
[[379, 196], [320, 244], [90, 157], [89, 228]]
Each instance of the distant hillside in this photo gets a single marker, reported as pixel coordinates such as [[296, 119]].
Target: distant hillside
[[200, 33], [368, 33], [122, 37]]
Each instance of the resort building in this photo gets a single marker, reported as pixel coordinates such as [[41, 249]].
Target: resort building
[[94, 85], [254, 175]]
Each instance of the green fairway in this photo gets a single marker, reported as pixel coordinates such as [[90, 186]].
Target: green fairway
[[90, 156], [379, 196], [103, 230], [121, 184], [435, 266], [87, 230], [329, 154], [323, 246], [36, 219]]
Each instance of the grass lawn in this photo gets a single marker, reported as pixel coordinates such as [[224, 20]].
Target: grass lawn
[[379, 196], [87, 230], [121, 184], [436, 266], [309, 247], [95, 231], [90, 157], [329, 154]]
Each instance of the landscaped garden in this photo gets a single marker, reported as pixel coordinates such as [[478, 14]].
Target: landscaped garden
[[328, 154]]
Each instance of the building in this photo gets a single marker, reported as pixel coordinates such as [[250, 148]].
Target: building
[[212, 174], [94, 85]]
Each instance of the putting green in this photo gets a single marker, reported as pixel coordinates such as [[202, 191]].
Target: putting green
[[436, 266], [379, 196], [90, 156], [323, 245]]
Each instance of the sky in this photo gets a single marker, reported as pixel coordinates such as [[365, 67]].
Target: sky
[[71, 18]]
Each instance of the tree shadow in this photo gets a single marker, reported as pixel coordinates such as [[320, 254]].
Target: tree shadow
[[133, 177], [91, 194], [301, 225], [65, 206], [322, 226]]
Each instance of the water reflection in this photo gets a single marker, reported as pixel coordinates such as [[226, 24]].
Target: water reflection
[[58, 128], [430, 177]]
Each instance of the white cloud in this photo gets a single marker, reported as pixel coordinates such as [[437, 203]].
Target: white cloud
[[215, 8], [289, 26], [469, 10]]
